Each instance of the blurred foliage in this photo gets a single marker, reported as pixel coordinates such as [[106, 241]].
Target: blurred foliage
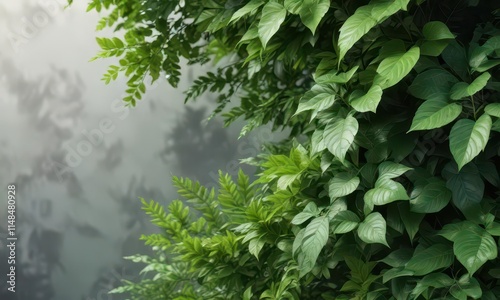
[[392, 191]]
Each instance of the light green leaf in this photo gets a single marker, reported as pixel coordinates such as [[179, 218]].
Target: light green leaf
[[249, 8], [340, 78], [342, 184], [389, 170], [450, 231], [368, 101], [315, 238], [435, 257], [364, 19], [461, 89], [435, 113], [473, 247], [386, 191], [436, 30], [468, 138], [493, 109], [431, 197], [394, 68], [433, 48], [311, 210], [339, 135], [372, 229], [317, 142], [312, 11], [317, 99], [345, 221], [273, 14], [293, 6]]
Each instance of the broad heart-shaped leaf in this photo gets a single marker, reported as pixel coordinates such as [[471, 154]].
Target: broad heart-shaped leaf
[[432, 83], [468, 138], [368, 101], [345, 221], [372, 229], [493, 109], [435, 257], [467, 188], [394, 68], [273, 14], [473, 247], [247, 9], [436, 30], [389, 170], [435, 113], [312, 11], [315, 238], [461, 89], [431, 197], [339, 135], [385, 191], [342, 184], [364, 19], [319, 98]]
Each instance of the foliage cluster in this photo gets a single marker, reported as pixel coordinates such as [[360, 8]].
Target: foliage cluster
[[392, 191]]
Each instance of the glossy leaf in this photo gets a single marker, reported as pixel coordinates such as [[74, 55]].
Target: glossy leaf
[[373, 229], [273, 14], [435, 113], [339, 135], [473, 247], [468, 138], [342, 184], [394, 68]]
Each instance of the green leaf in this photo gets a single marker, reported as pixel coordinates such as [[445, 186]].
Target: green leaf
[[473, 247], [339, 135], [312, 11], [340, 78], [249, 8], [390, 170], [466, 287], [493, 109], [432, 84], [315, 238], [398, 258], [364, 19], [436, 30], [273, 14], [431, 197], [435, 113], [372, 229], [461, 89], [468, 138], [345, 221], [467, 188], [368, 101], [394, 68], [342, 184], [386, 191], [410, 219], [434, 280], [317, 99], [438, 256]]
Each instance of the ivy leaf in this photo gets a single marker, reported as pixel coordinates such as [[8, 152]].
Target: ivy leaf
[[394, 68], [364, 19], [385, 192], [312, 11], [468, 138], [372, 229], [249, 8], [345, 221], [438, 256], [368, 101], [493, 109], [273, 14], [315, 238], [473, 247], [461, 89], [436, 30], [432, 83], [431, 197], [339, 135], [435, 113], [467, 188], [342, 184]]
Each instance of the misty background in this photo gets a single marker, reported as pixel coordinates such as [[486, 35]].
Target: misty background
[[80, 159]]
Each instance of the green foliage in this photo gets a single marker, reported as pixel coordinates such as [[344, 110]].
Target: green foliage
[[388, 187]]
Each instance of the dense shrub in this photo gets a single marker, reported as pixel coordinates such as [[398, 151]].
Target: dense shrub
[[388, 187]]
